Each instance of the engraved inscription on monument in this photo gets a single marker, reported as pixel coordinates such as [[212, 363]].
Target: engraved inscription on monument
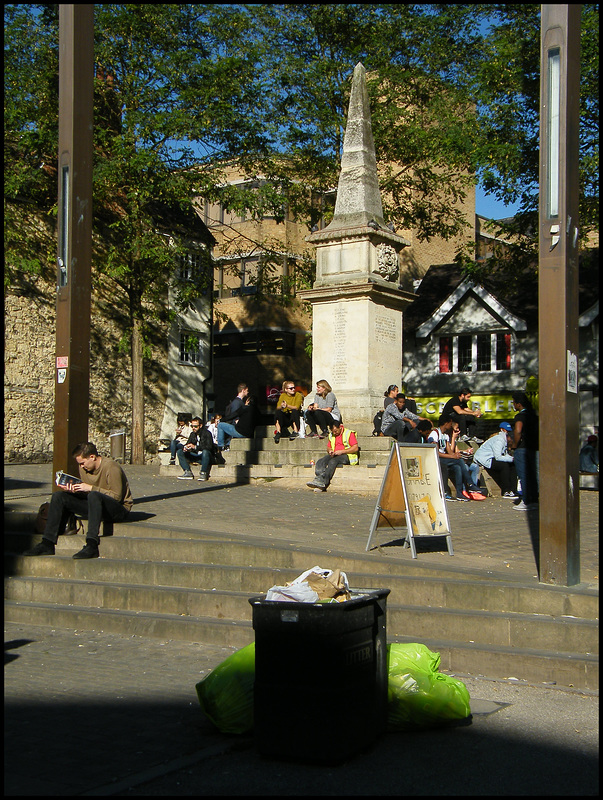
[[385, 329], [340, 321]]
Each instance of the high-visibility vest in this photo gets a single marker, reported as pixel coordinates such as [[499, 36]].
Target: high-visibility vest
[[346, 443]]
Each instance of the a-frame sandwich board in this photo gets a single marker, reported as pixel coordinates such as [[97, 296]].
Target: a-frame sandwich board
[[412, 495]]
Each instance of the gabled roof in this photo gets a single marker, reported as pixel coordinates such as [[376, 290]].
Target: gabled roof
[[445, 286], [468, 286]]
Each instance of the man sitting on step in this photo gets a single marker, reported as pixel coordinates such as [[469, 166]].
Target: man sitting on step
[[103, 493], [397, 420], [342, 448], [200, 447]]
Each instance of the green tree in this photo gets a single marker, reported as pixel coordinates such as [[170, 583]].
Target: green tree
[[183, 101], [506, 86], [422, 116], [30, 137], [166, 99], [455, 101]]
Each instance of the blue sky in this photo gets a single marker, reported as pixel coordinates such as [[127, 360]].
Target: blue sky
[[489, 206]]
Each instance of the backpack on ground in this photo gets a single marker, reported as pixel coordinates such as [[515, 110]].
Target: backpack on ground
[[73, 526]]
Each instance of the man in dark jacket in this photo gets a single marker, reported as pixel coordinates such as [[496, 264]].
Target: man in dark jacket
[[199, 448]]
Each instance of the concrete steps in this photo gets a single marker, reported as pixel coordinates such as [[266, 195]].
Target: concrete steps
[[260, 459], [181, 585]]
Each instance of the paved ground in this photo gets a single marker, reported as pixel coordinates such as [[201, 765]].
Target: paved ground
[[98, 714], [487, 536], [89, 713]]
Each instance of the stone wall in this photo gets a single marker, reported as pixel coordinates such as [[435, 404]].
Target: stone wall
[[29, 373]]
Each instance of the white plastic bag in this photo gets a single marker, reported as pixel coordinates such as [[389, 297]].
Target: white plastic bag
[[295, 593], [300, 591], [302, 427]]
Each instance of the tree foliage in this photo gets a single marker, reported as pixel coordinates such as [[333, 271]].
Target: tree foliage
[[182, 91]]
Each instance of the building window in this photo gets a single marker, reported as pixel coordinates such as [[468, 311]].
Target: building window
[[503, 351], [481, 352], [190, 348], [258, 342], [465, 356], [483, 343], [445, 353]]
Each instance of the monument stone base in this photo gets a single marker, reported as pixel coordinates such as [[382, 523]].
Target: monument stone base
[[358, 365]]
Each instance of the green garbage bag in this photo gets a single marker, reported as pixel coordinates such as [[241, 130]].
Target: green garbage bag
[[226, 694], [418, 695]]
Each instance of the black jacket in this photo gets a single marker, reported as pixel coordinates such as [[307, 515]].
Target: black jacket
[[201, 440], [247, 420]]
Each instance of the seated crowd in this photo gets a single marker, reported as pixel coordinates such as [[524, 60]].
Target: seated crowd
[[459, 461]]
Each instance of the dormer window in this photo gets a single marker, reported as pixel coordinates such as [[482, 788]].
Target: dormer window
[[480, 352]]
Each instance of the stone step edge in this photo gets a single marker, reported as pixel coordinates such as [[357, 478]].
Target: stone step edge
[[243, 595], [422, 570], [583, 609], [343, 558], [290, 573], [174, 618]]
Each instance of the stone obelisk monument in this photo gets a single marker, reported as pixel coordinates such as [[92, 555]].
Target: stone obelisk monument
[[357, 301]]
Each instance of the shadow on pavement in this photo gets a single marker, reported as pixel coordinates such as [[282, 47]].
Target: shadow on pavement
[[118, 747]]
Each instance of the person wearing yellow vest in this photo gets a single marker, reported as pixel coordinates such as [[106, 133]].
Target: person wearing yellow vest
[[342, 448]]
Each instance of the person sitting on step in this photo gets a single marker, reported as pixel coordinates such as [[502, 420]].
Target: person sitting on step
[[458, 408], [323, 411], [243, 428], [397, 420], [494, 457], [342, 448], [288, 412], [181, 434], [199, 448], [102, 494]]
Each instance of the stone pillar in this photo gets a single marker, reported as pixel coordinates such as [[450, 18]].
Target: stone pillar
[[357, 301]]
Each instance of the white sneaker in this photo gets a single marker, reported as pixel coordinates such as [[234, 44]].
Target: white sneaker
[[521, 506], [186, 476]]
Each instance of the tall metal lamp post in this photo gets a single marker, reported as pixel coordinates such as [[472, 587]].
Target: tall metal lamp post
[[72, 368], [558, 295]]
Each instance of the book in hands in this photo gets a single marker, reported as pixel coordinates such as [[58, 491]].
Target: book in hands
[[63, 479]]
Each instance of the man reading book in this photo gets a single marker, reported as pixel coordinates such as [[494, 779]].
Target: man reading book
[[103, 493]]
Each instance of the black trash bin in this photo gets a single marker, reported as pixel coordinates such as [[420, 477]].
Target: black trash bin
[[320, 689]]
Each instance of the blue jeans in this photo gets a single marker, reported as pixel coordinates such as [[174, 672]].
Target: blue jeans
[[186, 459], [226, 432], [468, 474], [451, 467], [175, 445], [525, 467]]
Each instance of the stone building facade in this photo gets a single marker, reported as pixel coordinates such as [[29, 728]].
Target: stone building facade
[[264, 344], [29, 364]]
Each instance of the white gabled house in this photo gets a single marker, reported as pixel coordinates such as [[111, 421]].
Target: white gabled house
[[460, 332]]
